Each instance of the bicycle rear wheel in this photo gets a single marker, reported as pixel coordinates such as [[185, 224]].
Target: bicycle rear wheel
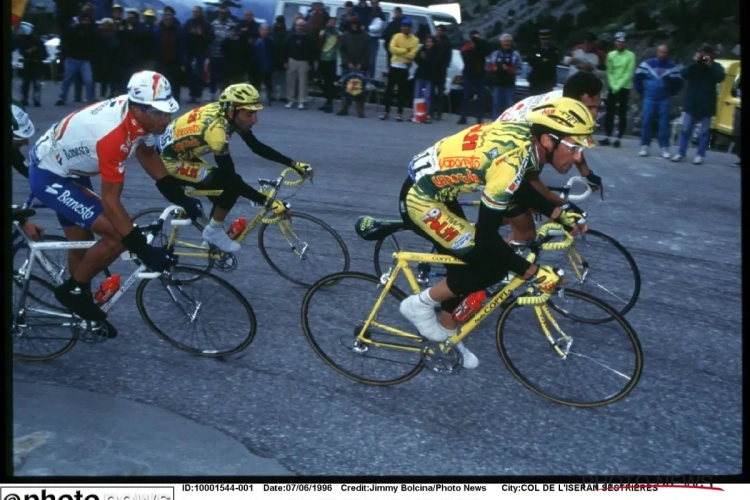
[[527, 351], [187, 300], [600, 266], [332, 317], [41, 332], [312, 247]]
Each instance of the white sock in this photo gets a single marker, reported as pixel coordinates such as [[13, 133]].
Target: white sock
[[215, 223], [424, 297], [450, 333]]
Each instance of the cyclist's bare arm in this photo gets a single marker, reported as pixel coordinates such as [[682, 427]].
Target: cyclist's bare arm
[[533, 178], [113, 209], [151, 162]]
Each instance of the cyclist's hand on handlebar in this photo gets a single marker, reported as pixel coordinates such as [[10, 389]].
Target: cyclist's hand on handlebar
[[304, 167], [280, 208], [545, 278], [594, 181], [573, 217]]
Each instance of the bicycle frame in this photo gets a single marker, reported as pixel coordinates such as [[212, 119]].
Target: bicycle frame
[[272, 189], [35, 253], [38, 256], [403, 259]]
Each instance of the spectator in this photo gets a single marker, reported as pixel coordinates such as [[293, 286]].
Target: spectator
[[428, 73], [199, 35], [392, 29], [169, 49], [34, 53], [117, 17], [88, 10], [80, 52], [699, 105], [620, 70], [737, 92], [346, 17], [143, 49], [403, 48], [444, 49], [586, 57], [473, 54], [264, 48], [149, 19], [375, 28], [109, 47], [502, 68], [656, 81], [279, 58], [317, 18], [220, 26], [169, 10], [543, 62], [236, 50], [354, 49], [329, 38], [249, 27], [299, 51], [363, 15]]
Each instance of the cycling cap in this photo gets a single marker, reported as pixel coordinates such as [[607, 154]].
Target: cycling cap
[[152, 89], [567, 116], [22, 126], [241, 96]]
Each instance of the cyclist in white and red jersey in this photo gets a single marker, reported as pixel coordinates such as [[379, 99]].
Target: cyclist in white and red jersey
[[96, 140], [583, 87]]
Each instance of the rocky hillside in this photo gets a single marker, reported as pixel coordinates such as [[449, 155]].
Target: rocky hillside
[[682, 24]]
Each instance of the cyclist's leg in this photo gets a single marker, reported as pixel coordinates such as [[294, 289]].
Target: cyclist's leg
[[77, 206], [206, 176]]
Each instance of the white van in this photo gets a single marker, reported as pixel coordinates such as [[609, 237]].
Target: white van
[[425, 22]]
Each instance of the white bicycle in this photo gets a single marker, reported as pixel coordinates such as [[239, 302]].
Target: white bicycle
[[43, 330], [596, 264]]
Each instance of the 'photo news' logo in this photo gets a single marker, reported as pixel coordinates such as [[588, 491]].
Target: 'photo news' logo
[[53, 493]]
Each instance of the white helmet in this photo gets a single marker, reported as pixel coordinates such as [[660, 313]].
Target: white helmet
[[152, 89], [22, 126]]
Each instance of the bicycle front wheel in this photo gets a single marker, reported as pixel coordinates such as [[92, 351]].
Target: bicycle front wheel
[[600, 266], [207, 315], [333, 316], [304, 249], [604, 360]]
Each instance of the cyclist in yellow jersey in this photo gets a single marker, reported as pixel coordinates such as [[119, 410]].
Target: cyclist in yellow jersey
[[496, 156], [208, 129]]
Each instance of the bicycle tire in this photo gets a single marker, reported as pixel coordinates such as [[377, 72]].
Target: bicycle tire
[[203, 277], [636, 283], [323, 284], [56, 354], [155, 213], [592, 300], [314, 220]]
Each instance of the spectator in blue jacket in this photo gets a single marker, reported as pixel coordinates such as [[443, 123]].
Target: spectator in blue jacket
[[264, 54], [702, 75], [169, 50], [656, 81]]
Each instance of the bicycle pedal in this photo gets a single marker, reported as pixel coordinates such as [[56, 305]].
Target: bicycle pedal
[[442, 357]]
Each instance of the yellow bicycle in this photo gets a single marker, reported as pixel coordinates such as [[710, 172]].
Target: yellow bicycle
[[351, 335], [294, 239]]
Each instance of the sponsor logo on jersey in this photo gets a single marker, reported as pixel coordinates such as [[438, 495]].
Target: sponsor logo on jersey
[[58, 159], [459, 162], [190, 143], [493, 154], [74, 152], [81, 209], [516, 181], [194, 173], [190, 130], [444, 229], [462, 241], [468, 177]]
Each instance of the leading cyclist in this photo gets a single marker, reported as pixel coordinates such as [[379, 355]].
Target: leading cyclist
[[23, 129], [96, 140], [208, 129], [497, 156], [583, 87]]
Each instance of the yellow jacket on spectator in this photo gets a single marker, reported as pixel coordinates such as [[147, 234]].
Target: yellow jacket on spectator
[[403, 49]]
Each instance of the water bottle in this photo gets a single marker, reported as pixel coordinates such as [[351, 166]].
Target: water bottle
[[237, 227], [108, 289], [470, 305]]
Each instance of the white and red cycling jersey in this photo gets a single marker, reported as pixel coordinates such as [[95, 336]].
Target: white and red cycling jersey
[[518, 112], [94, 140]]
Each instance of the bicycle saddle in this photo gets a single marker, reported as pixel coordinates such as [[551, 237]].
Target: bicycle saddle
[[19, 214], [372, 229]]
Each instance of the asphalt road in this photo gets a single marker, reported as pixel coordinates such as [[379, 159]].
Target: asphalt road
[[681, 222]]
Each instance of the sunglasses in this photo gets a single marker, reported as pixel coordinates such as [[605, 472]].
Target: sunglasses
[[573, 148], [154, 112]]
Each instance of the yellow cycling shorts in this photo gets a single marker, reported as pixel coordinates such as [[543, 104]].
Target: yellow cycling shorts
[[194, 171], [444, 227]]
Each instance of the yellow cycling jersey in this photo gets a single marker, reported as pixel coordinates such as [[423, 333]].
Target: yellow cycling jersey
[[493, 155], [196, 133]]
